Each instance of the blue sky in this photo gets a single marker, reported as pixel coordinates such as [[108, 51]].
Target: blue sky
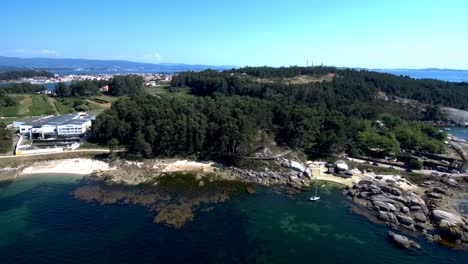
[[373, 34]]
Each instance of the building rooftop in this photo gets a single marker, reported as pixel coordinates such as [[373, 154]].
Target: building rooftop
[[68, 119]]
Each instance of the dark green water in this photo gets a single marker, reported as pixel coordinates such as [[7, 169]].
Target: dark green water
[[41, 221]]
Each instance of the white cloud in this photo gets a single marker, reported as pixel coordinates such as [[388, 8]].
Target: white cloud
[[48, 52], [32, 52], [21, 51], [152, 57]]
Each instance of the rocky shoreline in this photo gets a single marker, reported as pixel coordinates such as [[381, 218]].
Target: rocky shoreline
[[430, 212], [428, 209]]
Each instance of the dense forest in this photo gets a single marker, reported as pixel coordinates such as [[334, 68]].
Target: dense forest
[[126, 85], [119, 85], [17, 74], [233, 114], [81, 88], [347, 86]]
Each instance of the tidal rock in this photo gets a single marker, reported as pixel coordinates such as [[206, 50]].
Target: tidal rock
[[376, 190], [386, 188], [420, 217], [449, 231], [383, 206], [415, 200], [453, 183], [403, 241], [420, 226], [435, 195], [396, 192], [364, 194], [405, 220], [388, 217], [451, 218], [437, 238], [439, 190], [415, 208], [405, 210]]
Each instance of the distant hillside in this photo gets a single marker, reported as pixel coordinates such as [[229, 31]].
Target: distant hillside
[[17, 74], [54, 65]]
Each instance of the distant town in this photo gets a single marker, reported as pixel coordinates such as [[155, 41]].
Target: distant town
[[151, 79]]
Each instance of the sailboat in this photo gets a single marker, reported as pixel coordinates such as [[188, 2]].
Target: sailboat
[[315, 198]]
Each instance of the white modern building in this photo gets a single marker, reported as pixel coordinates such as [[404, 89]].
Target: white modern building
[[69, 125]]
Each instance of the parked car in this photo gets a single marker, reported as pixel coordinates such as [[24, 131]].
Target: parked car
[[375, 164], [408, 170], [367, 163], [435, 173], [391, 167]]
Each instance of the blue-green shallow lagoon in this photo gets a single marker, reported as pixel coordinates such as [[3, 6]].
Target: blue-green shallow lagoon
[[42, 222]]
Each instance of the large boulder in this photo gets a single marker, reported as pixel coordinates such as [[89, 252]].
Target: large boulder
[[403, 241], [439, 190], [383, 206], [449, 230], [406, 220], [451, 218], [435, 195], [453, 183], [388, 217], [296, 166], [405, 210], [386, 188], [420, 217]]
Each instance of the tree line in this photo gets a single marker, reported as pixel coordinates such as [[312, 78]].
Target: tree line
[[22, 88], [348, 83], [17, 74], [118, 86], [232, 114]]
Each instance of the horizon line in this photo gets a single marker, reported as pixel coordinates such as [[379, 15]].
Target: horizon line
[[233, 66]]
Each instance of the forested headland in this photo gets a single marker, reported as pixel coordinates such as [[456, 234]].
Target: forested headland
[[18, 74], [235, 112]]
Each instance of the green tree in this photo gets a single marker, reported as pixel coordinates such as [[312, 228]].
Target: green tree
[[113, 144]]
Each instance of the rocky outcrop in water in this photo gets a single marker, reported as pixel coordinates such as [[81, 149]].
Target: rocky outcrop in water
[[403, 241], [408, 211]]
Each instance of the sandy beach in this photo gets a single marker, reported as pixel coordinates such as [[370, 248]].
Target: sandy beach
[[73, 166]]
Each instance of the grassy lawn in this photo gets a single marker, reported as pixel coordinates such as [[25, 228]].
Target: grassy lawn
[[63, 107], [40, 106], [165, 90], [105, 98]]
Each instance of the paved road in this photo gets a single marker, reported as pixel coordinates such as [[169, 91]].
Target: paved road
[[55, 153]]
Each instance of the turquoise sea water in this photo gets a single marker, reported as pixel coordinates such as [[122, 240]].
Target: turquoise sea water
[[53, 219], [461, 132]]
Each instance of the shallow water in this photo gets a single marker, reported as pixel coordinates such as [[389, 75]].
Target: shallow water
[[42, 221]]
